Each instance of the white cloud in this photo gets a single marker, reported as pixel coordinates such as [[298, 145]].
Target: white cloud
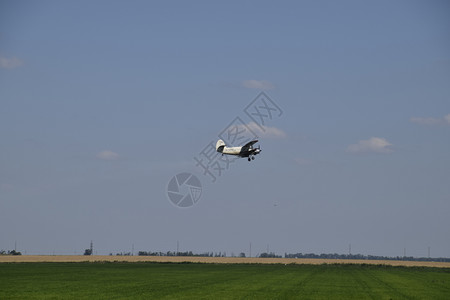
[[258, 84], [266, 131], [372, 145], [107, 155], [431, 121], [10, 63]]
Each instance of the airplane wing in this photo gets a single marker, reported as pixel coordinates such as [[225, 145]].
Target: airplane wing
[[249, 144]]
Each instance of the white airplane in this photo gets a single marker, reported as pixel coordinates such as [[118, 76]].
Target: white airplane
[[245, 151]]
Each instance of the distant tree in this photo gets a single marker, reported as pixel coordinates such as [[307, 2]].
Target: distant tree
[[242, 254], [269, 255], [12, 252], [88, 252]]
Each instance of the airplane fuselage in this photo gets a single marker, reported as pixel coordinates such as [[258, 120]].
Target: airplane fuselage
[[232, 150], [244, 151]]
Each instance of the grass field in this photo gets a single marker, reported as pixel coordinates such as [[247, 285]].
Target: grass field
[[219, 281]]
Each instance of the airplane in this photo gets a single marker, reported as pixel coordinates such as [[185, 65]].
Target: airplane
[[244, 151]]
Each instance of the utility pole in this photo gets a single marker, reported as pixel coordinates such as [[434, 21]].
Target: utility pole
[[250, 255], [92, 248], [428, 251], [178, 247], [132, 249], [349, 249]]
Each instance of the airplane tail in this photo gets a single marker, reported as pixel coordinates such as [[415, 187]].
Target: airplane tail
[[220, 145]]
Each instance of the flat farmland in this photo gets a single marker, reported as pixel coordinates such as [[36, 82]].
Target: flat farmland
[[188, 280], [217, 260]]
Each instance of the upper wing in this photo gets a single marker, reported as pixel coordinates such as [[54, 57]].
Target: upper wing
[[249, 144]]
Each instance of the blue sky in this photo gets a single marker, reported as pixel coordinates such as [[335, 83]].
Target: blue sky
[[102, 102]]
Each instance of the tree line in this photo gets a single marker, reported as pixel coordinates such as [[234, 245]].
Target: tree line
[[186, 253], [293, 255], [364, 257], [10, 252]]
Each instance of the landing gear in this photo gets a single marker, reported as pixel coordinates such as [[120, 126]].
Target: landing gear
[[253, 158], [249, 159]]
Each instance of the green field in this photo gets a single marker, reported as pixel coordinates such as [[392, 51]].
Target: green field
[[219, 281]]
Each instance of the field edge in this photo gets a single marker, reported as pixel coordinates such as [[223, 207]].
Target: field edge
[[213, 260]]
